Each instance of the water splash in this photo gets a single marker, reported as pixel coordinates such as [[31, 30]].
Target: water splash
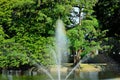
[[44, 70], [85, 58], [78, 64], [61, 44]]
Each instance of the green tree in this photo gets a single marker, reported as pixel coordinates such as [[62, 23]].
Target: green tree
[[30, 24], [87, 34]]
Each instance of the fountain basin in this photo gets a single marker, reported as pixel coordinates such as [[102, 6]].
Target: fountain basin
[[92, 67], [62, 70], [84, 67]]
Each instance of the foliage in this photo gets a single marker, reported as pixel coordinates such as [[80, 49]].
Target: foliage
[[85, 36], [27, 28]]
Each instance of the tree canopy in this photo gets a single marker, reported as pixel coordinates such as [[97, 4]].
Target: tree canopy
[[27, 29]]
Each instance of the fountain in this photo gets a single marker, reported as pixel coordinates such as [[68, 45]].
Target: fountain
[[61, 45], [59, 53], [61, 48]]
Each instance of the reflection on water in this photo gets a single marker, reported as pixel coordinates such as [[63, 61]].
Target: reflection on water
[[89, 75], [74, 76], [85, 76]]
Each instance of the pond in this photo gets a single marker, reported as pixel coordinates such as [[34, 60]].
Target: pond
[[103, 75]]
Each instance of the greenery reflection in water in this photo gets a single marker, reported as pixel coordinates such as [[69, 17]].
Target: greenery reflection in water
[[24, 77], [74, 76]]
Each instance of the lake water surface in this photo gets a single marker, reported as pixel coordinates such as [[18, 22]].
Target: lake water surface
[[104, 75]]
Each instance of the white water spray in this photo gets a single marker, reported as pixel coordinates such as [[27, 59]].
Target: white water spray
[[61, 45]]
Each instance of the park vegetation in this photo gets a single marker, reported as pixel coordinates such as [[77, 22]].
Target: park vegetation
[[27, 29]]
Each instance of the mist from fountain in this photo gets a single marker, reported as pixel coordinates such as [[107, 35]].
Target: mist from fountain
[[61, 48], [61, 45], [78, 64], [41, 67]]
